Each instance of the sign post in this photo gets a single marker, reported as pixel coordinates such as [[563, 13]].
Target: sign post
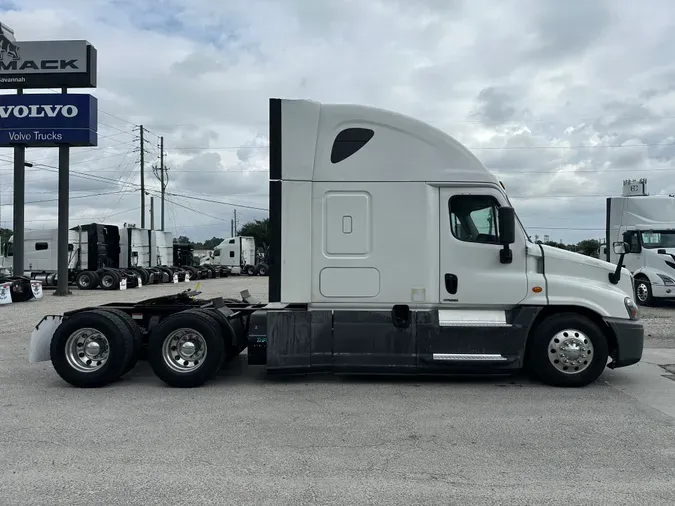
[[46, 120]]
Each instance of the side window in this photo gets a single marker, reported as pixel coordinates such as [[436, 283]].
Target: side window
[[473, 218], [231, 241], [231, 254], [216, 252], [633, 238], [41, 246]]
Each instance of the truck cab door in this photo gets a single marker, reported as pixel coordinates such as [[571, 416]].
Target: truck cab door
[[472, 275]]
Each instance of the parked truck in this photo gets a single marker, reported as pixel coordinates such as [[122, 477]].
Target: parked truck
[[238, 254], [349, 296], [647, 224], [93, 257], [100, 255]]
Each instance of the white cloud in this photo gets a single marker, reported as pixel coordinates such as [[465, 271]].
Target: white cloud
[[567, 89]]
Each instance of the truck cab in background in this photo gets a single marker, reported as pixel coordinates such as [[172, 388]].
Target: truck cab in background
[[239, 255], [647, 223]]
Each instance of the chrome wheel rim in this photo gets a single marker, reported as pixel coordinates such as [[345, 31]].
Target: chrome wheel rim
[[87, 350], [184, 350], [642, 291], [570, 351]]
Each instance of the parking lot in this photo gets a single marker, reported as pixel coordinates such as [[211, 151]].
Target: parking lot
[[247, 439]]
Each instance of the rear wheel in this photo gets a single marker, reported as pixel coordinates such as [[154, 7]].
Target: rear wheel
[[263, 269], [251, 270], [85, 280], [135, 332], [567, 350], [186, 349], [91, 349], [108, 280]]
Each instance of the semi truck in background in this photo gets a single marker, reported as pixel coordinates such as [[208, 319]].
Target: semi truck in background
[[344, 295], [102, 255], [647, 224], [240, 256]]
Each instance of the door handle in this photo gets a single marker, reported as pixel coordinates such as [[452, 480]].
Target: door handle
[[451, 283]]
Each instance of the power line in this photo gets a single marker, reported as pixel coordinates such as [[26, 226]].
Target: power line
[[71, 198]]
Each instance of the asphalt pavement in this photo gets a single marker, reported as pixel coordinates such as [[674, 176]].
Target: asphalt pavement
[[247, 439]]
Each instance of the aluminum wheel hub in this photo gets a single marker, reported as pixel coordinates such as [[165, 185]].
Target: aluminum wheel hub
[[570, 351], [87, 350], [184, 350]]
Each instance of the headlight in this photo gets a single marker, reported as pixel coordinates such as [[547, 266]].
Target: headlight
[[631, 307], [667, 280]]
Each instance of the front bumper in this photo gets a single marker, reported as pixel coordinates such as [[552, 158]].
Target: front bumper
[[663, 291], [630, 339]]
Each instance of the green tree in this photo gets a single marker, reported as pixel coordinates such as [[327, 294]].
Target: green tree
[[212, 243], [182, 239], [588, 247], [259, 230]]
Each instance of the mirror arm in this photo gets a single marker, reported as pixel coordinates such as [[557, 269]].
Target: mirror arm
[[615, 276], [505, 255]]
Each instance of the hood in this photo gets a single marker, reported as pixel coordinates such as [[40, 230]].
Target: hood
[[568, 263]]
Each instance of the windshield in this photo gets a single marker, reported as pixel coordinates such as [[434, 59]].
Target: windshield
[[658, 239]]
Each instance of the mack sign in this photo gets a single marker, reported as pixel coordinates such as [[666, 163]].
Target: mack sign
[[45, 64], [48, 120]]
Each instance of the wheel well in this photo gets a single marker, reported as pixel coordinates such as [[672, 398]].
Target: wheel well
[[641, 276], [589, 313]]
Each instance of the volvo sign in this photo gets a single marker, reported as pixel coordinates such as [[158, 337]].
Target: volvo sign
[[48, 120], [45, 64]]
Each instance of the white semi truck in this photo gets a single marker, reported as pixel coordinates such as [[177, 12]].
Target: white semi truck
[[647, 223], [347, 295], [239, 255]]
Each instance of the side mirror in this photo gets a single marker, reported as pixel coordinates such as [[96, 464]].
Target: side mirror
[[507, 233], [507, 225], [621, 248]]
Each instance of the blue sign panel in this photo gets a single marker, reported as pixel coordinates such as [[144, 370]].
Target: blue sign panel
[[48, 120]]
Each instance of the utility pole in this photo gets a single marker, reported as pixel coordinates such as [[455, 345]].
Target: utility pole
[[152, 213], [234, 232], [231, 228], [161, 172], [142, 178]]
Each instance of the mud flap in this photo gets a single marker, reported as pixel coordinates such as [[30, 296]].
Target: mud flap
[[41, 338], [5, 293], [123, 284]]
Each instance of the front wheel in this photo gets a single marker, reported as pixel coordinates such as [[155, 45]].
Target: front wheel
[[567, 350], [643, 292]]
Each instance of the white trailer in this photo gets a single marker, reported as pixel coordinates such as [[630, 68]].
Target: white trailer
[[348, 295], [239, 255], [647, 223]]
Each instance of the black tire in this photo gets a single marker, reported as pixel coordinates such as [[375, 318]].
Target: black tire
[[251, 270], [120, 343], [97, 280], [226, 331], [136, 334], [108, 280], [85, 280], [208, 327], [643, 292], [263, 269], [572, 328]]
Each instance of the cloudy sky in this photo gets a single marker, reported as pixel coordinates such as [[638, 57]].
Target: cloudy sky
[[562, 98]]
